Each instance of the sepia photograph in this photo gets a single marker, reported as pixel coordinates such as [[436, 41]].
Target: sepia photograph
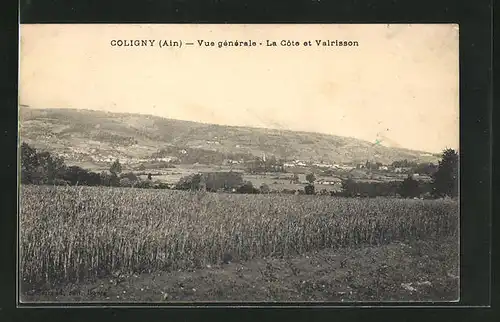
[[238, 163]]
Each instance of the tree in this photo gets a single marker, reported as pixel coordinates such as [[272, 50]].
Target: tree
[[309, 189], [150, 176], [404, 164], [116, 168], [50, 167], [29, 163], [349, 187], [247, 187], [311, 178], [409, 188], [75, 175], [105, 178], [445, 180], [40, 167]]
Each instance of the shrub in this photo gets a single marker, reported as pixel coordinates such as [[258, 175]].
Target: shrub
[[247, 187], [125, 182], [130, 176], [144, 184], [310, 178], [409, 188], [191, 182]]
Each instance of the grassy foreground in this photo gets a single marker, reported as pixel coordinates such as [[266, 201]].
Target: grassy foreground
[[414, 271], [72, 234]]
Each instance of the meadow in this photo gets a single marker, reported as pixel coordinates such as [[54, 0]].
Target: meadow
[[70, 234]]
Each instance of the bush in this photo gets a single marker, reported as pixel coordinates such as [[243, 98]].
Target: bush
[[125, 182], [445, 179], [409, 188], [130, 176], [191, 182], [144, 184], [247, 187]]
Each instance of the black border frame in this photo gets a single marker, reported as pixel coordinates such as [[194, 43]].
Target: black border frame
[[475, 21]]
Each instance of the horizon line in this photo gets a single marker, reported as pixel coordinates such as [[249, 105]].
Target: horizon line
[[233, 126]]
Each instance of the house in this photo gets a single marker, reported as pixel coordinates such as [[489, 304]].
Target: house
[[229, 161], [344, 167], [325, 182], [165, 159]]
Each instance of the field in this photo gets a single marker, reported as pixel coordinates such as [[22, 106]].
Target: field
[[86, 235]]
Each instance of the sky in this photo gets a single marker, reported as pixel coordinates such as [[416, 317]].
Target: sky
[[399, 86]]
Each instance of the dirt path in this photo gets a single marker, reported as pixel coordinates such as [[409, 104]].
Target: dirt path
[[416, 271]]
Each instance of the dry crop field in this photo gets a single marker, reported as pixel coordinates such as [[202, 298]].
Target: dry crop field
[[76, 234]]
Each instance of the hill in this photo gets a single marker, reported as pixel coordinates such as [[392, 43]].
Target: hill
[[87, 135]]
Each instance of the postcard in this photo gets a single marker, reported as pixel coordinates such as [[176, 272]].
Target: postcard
[[241, 163]]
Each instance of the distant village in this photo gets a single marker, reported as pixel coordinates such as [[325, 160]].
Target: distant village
[[270, 163]]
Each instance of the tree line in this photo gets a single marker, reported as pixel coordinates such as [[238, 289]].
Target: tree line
[[444, 181], [42, 168]]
